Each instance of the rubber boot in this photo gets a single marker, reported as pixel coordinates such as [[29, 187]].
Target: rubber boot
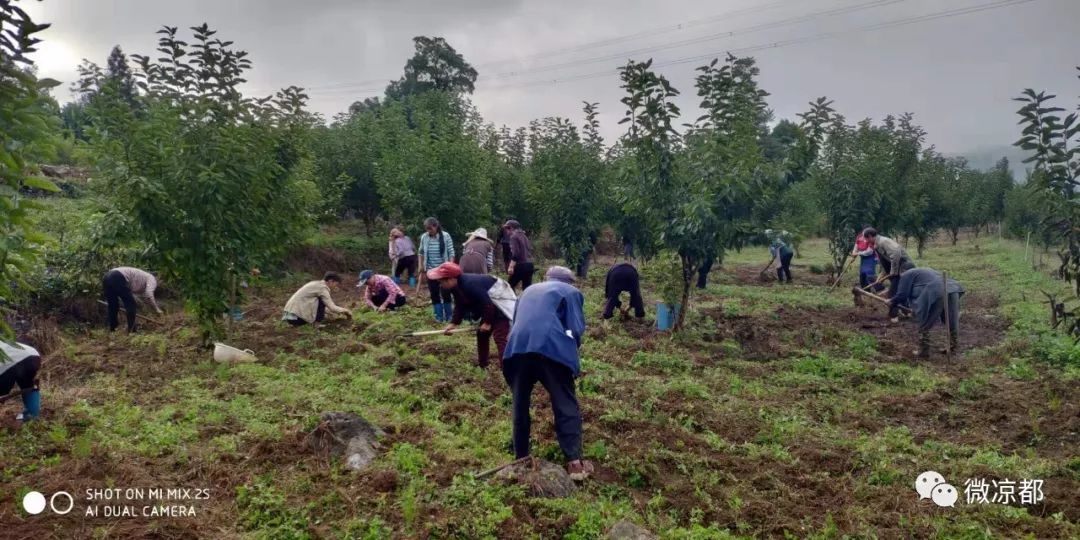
[[31, 404], [924, 346], [396, 280], [448, 311], [437, 308], [954, 342], [412, 282]]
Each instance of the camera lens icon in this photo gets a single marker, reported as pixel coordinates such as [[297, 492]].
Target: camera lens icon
[[61, 502]]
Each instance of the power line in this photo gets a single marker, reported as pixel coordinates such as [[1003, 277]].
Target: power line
[[712, 37], [785, 43], [369, 85]]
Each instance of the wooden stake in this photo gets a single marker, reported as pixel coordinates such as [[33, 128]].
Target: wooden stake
[[948, 326]]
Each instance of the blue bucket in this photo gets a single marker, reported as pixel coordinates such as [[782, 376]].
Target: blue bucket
[[665, 316], [237, 315]]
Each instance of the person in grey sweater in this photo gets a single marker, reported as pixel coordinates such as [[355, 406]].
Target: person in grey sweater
[[923, 291]]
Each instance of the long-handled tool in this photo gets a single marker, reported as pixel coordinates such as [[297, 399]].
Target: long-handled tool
[[948, 327], [761, 275], [490, 472], [435, 332], [846, 267], [857, 290], [137, 315]]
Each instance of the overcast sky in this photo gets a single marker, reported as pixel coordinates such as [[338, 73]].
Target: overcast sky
[[540, 58]]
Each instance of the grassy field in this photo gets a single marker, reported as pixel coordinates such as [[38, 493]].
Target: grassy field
[[783, 411]]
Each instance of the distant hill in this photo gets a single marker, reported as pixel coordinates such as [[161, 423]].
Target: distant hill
[[986, 156]]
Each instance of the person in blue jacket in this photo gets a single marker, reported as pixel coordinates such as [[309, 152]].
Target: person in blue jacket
[[549, 321], [923, 291]]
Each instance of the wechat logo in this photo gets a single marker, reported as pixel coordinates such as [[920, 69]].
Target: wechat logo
[[931, 485]]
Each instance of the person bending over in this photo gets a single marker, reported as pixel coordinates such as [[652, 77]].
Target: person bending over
[[310, 303]]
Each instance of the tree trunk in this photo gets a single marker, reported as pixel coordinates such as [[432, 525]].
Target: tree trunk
[[955, 232], [688, 271]]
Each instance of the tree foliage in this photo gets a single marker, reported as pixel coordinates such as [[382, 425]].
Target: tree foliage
[[1053, 140], [214, 182], [435, 66], [26, 123]]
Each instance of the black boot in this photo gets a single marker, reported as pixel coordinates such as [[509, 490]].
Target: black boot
[[923, 351]]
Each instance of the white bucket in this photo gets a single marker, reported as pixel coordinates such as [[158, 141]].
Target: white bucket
[[225, 353]]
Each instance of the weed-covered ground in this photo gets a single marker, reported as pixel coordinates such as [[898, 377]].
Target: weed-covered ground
[[780, 411]]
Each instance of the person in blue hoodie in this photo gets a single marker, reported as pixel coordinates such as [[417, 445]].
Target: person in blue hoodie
[[19, 364], [549, 321]]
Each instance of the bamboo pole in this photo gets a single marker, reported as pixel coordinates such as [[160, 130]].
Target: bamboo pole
[[948, 325]]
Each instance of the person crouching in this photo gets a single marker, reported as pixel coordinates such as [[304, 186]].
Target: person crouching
[[381, 293], [19, 364], [310, 303]]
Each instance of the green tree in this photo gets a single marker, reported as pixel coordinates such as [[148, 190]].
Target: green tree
[[214, 182], [1053, 140], [118, 72], [26, 123], [435, 66], [434, 164]]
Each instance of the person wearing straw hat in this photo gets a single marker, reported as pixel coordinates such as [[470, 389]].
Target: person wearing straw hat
[[483, 297], [380, 292], [478, 253], [549, 322]]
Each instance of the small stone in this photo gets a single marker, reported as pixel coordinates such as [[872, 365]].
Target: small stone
[[347, 436], [542, 478], [625, 530]]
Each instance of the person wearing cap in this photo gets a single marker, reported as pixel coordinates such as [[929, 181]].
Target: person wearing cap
[[310, 303], [894, 261], [121, 285], [19, 364], [521, 264], [549, 322], [923, 291], [478, 297], [623, 278], [478, 253], [380, 292], [437, 247], [403, 256]]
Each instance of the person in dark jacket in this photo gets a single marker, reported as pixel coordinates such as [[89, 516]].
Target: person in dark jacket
[[549, 322], [704, 269], [923, 291], [19, 364], [623, 277], [521, 267], [779, 249], [473, 301], [503, 239]]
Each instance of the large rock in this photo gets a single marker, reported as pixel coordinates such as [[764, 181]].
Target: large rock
[[625, 530], [542, 478], [346, 436]]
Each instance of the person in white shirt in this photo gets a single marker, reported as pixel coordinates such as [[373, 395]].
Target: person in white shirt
[[121, 285], [19, 364]]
